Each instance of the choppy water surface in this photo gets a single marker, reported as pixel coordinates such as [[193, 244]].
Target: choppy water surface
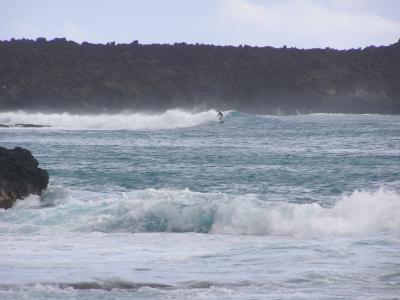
[[180, 206]]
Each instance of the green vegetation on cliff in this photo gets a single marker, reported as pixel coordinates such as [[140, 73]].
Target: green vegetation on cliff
[[61, 75]]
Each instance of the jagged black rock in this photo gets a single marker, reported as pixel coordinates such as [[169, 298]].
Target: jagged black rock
[[20, 176]]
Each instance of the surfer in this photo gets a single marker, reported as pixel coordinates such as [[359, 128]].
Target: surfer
[[220, 116]]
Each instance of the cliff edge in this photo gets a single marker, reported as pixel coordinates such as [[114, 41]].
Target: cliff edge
[[64, 76]]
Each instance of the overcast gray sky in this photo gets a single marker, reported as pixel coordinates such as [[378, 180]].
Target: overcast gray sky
[[298, 23]]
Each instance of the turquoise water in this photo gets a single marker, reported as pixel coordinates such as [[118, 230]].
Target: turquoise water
[[178, 205]]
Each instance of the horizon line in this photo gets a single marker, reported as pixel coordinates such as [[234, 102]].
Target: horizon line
[[182, 43]]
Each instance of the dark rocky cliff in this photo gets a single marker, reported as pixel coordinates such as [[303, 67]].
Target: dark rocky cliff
[[20, 176], [61, 75]]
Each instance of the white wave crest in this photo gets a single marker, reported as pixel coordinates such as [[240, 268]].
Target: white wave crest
[[359, 213], [152, 210], [171, 119]]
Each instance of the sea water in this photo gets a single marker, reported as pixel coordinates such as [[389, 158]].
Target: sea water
[[180, 206]]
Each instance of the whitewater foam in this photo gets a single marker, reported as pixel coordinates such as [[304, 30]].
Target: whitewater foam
[[171, 119], [153, 210], [359, 213]]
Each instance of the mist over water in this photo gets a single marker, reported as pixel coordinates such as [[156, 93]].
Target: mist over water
[[178, 205]]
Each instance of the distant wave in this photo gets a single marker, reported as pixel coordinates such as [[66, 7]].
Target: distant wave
[[171, 119], [216, 213], [327, 116], [110, 285]]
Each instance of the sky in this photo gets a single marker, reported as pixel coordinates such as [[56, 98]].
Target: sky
[[340, 24]]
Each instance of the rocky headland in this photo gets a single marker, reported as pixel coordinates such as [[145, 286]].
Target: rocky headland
[[20, 176], [64, 76]]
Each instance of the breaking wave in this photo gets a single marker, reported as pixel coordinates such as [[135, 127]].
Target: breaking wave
[[171, 119], [215, 213], [111, 284]]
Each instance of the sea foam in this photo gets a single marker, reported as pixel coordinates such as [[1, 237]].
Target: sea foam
[[171, 119], [151, 210]]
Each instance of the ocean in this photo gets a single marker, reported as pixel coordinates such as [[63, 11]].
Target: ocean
[[180, 206]]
